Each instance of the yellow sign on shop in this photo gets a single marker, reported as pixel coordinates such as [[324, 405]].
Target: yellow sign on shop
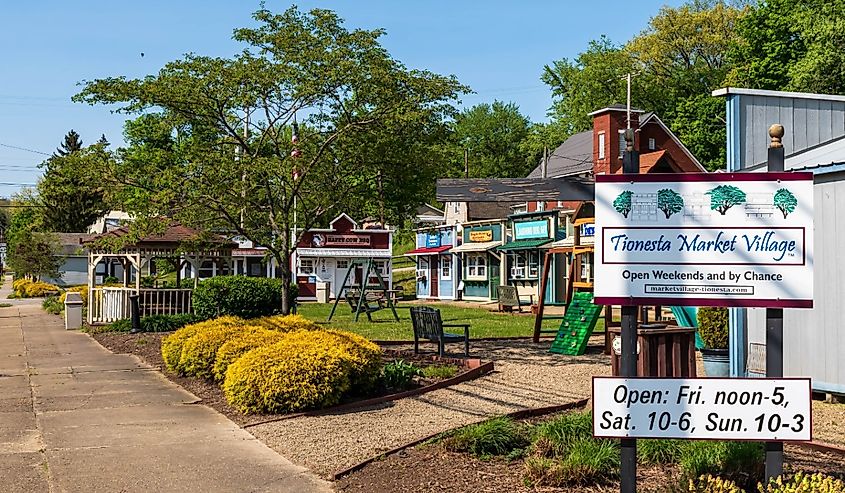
[[485, 235]]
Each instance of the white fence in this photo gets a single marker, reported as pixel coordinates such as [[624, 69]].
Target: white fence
[[106, 305]]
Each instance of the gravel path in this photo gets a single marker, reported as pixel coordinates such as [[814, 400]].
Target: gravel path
[[526, 376], [828, 422]]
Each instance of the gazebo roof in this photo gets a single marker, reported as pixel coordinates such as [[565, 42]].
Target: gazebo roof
[[172, 237]]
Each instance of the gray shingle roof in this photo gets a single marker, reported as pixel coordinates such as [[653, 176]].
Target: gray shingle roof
[[573, 157]]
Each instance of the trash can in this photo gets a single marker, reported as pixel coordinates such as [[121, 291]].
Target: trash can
[[73, 311], [661, 351], [323, 291]]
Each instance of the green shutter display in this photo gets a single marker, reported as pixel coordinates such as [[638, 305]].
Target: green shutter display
[[577, 326]]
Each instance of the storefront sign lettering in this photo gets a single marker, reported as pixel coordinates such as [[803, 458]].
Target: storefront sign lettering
[[481, 236], [531, 229], [320, 240]]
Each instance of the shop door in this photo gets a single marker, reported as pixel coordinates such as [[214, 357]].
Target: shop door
[[495, 277], [341, 268], [434, 284]]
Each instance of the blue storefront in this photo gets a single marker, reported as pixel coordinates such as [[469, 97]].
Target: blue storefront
[[438, 268]]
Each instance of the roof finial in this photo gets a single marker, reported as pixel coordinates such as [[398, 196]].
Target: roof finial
[[776, 133]]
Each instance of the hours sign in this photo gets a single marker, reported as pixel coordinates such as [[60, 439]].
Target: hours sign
[[705, 239]]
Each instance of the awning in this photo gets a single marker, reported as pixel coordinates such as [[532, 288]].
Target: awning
[[481, 246], [343, 252], [428, 250], [523, 244]]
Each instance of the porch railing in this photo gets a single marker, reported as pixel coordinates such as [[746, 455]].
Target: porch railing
[[109, 304]]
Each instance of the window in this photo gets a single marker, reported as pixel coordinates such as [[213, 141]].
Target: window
[[381, 267], [342, 264], [601, 145], [306, 266], [446, 267], [525, 265], [541, 206], [652, 145], [422, 268], [621, 143], [477, 266]]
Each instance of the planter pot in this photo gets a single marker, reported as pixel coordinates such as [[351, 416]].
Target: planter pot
[[716, 362]]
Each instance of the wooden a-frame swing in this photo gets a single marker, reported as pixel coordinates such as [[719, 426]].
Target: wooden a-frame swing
[[358, 298]]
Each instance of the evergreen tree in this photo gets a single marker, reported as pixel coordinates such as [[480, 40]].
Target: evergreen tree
[[71, 144]]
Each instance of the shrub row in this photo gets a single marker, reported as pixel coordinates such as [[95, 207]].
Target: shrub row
[[154, 323], [27, 288], [274, 364], [240, 296]]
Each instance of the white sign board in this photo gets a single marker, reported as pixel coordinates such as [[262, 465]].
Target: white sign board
[[705, 239], [702, 408]]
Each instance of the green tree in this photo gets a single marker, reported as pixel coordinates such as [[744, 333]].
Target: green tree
[[212, 146], [71, 144], [669, 201], [785, 201], [724, 197], [72, 198], [622, 204], [491, 135], [34, 254]]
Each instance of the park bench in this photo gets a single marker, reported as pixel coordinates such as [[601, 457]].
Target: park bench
[[428, 325], [509, 299]]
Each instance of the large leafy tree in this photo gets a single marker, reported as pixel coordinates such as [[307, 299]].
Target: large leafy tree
[[212, 145], [71, 197], [676, 62], [491, 135]]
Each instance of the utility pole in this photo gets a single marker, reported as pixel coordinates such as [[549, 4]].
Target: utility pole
[[628, 104]]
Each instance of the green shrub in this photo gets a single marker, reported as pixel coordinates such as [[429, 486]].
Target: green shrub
[[498, 436], [52, 305], [27, 288], [236, 347], [246, 297], [399, 375], [440, 371], [713, 326], [721, 458], [154, 323], [123, 325], [804, 483], [551, 438], [659, 451], [171, 346]]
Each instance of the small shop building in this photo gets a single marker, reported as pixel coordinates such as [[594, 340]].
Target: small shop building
[[325, 257], [530, 235], [481, 263], [438, 268]]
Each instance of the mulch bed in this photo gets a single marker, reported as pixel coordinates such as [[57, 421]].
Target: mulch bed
[[429, 469], [147, 346]]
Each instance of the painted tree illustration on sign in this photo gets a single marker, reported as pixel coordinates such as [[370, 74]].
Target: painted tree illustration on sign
[[724, 197], [669, 201], [785, 201], [622, 204]]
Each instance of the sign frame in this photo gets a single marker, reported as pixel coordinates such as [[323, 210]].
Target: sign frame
[[746, 299], [721, 438]]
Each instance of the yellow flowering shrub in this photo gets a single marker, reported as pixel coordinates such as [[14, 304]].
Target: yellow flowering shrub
[[26, 288], [805, 483], [306, 369], [239, 345], [200, 351], [83, 293], [171, 346], [712, 484], [285, 323], [292, 375]]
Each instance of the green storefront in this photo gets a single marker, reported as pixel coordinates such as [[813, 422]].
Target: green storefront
[[481, 272], [530, 235]]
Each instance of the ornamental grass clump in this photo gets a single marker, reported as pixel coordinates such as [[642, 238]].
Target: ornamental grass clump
[[497, 436], [199, 352], [239, 345], [171, 346]]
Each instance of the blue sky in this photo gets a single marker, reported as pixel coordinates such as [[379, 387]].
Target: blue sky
[[498, 48]]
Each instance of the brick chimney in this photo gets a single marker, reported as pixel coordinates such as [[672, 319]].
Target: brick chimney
[[608, 123]]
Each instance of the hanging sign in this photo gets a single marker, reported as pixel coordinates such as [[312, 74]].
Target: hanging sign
[[530, 229], [705, 239], [481, 235], [703, 408]]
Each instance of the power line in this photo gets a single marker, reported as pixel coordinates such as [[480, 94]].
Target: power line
[[24, 149]]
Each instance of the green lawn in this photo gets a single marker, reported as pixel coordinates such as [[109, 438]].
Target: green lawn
[[483, 323]]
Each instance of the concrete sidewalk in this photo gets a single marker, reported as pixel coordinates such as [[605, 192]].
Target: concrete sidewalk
[[76, 417]]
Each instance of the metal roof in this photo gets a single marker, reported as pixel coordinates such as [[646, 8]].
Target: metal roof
[[573, 157]]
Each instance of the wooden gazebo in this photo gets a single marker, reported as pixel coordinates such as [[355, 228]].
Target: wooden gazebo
[[180, 245]]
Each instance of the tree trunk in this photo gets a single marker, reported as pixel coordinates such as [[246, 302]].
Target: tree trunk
[[283, 259]]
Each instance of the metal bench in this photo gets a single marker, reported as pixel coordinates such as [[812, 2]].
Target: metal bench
[[428, 325], [509, 299]]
